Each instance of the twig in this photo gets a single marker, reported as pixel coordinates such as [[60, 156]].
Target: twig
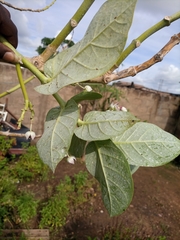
[[25, 62], [133, 70], [166, 21], [28, 104], [12, 134], [27, 9], [39, 61], [15, 88]]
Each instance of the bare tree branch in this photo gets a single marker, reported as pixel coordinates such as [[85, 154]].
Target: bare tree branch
[[27, 9], [12, 134], [133, 70]]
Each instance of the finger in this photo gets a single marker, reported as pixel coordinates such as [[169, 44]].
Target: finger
[[3, 49], [8, 29], [6, 54]]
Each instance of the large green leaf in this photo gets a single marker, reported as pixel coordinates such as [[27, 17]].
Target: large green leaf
[[110, 167], [97, 52], [104, 125], [145, 144], [54, 144]]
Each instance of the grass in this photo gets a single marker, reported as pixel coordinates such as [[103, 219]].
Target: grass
[[18, 206]]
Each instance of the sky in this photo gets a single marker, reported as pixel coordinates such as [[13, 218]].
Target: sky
[[163, 76]]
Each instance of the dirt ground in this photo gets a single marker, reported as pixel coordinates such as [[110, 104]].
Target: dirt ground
[[154, 210]]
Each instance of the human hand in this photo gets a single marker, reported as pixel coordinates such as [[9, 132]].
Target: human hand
[[9, 31]]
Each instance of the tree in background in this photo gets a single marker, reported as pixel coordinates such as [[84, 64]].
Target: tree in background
[[47, 41]]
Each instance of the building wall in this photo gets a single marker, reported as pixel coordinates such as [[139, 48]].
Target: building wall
[[155, 107]]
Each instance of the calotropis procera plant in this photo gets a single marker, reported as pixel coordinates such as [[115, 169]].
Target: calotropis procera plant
[[114, 143]]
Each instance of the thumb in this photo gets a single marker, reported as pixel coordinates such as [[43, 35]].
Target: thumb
[[7, 55]]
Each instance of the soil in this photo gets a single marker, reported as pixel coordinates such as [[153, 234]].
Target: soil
[[153, 212]]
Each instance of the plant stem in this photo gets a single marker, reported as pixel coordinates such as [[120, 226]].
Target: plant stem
[[59, 100], [26, 99], [15, 88], [50, 50], [33, 69], [28, 9], [136, 42], [21, 82], [80, 122], [26, 63], [42, 78]]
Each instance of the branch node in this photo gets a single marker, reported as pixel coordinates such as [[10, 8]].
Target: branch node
[[133, 71], [168, 19], [158, 57], [73, 23], [137, 43], [107, 77], [38, 62]]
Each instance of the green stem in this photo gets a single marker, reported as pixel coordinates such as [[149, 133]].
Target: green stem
[[42, 78], [30, 106], [21, 82], [15, 88], [135, 43], [26, 99], [49, 51], [59, 100], [26, 63], [80, 122], [32, 68]]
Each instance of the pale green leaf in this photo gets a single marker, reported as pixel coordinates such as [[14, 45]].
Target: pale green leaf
[[145, 144], [110, 167], [98, 125], [97, 52], [54, 144]]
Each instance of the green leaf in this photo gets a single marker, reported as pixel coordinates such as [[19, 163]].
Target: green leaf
[[86, 96], [110, 167], [54, 144], [53, 113], [145, 144], [104, 125], [77, 147], [97, 52]]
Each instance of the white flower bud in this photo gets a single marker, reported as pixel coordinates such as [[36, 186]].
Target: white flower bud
[[114, 107], [123, 109], [88, 88], [30, 134], [71, 159]]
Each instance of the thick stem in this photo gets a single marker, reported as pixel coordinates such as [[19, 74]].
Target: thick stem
[[59, 100], [137, 42], [26, 63], [49, 51]]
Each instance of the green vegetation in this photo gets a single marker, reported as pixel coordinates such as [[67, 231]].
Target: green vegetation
[[19, 206], [5, 144], [29, 166], [69, 194]]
